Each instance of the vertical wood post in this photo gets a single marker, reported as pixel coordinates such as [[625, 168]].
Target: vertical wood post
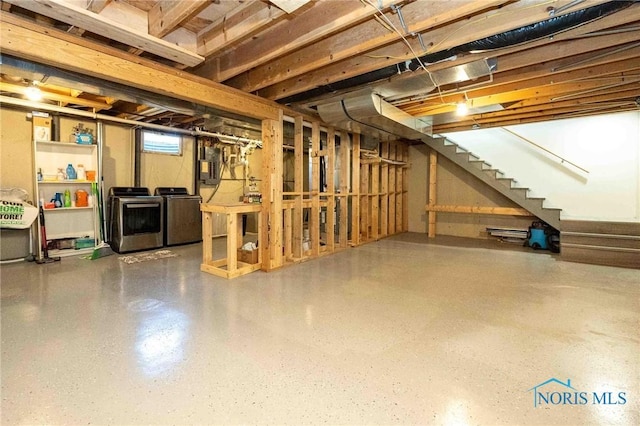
[[272, 215], [331, 185], [384, 191], [433, 167], [355, 189], [344, 190], [314, 220], [298, 212]]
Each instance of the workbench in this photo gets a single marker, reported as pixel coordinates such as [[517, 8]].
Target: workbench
[[229, 266]]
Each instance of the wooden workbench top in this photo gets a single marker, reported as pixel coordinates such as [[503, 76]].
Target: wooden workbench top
[[231, 207]]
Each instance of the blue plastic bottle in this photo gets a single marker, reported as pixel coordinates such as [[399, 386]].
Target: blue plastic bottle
[[71, 172]]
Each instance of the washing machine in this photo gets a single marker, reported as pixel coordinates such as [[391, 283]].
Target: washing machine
[[182, 216]]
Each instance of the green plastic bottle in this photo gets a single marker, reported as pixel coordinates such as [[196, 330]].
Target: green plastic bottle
[[67, 198]]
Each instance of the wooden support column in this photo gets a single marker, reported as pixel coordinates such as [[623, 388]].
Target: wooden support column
[[343, 226], [270, 241], [298, 212], [314, 220], [399, 185], [433, 168], [355, 189], [384, 191], [405, 189], [375, 201], [392, 189], [330, 161], [365, 211]]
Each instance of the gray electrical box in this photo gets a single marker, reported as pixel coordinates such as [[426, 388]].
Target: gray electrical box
[[209, 165]]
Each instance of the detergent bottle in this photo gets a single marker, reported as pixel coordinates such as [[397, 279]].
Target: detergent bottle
[[71, 172]]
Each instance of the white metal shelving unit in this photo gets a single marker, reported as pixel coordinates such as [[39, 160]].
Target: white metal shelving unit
[[66, 222]]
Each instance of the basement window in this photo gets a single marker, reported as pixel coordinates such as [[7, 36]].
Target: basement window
[[161, 143]]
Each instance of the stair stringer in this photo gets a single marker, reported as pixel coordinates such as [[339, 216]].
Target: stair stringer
[[501, 184]]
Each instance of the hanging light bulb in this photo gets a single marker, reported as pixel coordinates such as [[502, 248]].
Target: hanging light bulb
[[462, 109], [33, 92]]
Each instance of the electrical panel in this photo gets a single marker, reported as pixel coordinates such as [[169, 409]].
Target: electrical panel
[[208, 163]]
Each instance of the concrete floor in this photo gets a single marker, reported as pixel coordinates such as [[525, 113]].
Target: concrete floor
[[393, 332]]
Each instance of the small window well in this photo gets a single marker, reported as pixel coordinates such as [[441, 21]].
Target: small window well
[[161, 143]]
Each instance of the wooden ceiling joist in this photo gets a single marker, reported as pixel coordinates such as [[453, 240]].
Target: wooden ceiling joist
[[364, 37], [235, 26], [320, 21], [51, 47], [166, 15], [20, 89], [512, 16], [89, 21]]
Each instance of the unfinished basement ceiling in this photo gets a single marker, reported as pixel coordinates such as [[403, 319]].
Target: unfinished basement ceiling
[[547, 60]]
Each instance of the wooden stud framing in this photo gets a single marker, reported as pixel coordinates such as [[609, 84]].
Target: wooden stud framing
[[365, 211], [399, 185], [314, 220], [375, 201], [384, 191], [405, 189], [504, 211], [298, 212], [355, 190], [343, 227], [433, 172], [330, 161], [392, 190]]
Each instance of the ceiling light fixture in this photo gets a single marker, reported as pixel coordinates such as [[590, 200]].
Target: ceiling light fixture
[[33, 93], [462, 109]]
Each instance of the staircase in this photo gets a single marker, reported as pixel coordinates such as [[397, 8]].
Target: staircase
[[495, 179]]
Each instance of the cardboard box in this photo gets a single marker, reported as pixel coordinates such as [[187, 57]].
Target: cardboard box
[[248, 256], [42, 129]]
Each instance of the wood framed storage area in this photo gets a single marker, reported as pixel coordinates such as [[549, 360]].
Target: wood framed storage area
[[323, 193], [384, 206]]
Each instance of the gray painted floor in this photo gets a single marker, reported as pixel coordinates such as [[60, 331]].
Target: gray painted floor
[[393, 332]]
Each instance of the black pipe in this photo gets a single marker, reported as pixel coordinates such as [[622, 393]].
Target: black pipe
[[524, 34]]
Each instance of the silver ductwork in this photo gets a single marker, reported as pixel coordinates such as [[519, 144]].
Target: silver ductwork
[[367, 113]]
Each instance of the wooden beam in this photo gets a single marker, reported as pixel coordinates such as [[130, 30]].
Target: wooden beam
[[16, 88], [235, 26], [503, 211], [79, 17], [511, 16], [516, 84], [364, 37], [290, 6], [505, 96], [321, 20], [51, 47], [433, 176], [167, 15], [97, 6]]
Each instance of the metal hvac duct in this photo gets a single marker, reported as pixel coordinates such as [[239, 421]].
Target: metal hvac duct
[[366, 112]]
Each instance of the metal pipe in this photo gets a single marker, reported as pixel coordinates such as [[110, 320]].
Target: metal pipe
[[231, 140]]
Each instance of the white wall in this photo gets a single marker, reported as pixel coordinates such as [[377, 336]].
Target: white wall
[[607, 146]]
